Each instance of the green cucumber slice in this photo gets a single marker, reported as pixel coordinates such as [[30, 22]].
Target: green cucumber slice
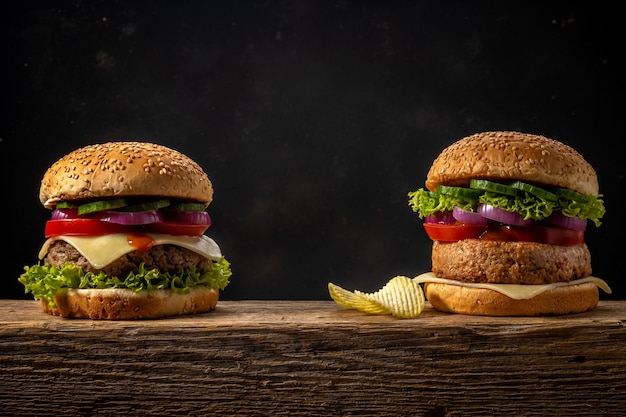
[[101, 205], [534, 190], [148, 205], [188, 206], [66, 204], [493, 187], [568, 194], [459, 192]]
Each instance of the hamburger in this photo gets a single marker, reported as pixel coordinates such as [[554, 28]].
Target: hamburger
[[507, 214], [126, 237]]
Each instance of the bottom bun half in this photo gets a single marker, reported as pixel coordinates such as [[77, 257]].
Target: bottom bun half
[[124, 304], [483, 302]]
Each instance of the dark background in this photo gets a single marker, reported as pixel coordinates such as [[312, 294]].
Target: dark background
[[312, 119]]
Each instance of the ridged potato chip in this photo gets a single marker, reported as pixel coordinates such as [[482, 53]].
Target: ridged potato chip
[[348, 299], [401, 297]]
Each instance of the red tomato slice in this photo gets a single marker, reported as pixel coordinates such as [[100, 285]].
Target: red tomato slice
[[454, 232], [537, 233], [547, 234], [173, 228], [501, 233], [81, 227]]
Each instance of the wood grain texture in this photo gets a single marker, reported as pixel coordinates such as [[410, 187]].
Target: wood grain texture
[[312, 358]]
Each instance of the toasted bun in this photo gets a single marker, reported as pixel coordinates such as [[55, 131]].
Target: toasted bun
[[123, 303], [512, 156], [124, 169], [483, 302], [501, 262]]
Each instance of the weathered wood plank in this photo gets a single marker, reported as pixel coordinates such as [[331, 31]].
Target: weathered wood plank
[[313, 358]]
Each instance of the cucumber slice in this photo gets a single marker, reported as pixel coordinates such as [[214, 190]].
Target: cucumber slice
[[101, 205], [534, 190], [460, 192], [568, 194], [148, 205], [66, 204], [493, 187], [188, 206]]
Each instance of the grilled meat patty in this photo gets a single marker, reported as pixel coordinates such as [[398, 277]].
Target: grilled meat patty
[[167, 258], [476, 260]]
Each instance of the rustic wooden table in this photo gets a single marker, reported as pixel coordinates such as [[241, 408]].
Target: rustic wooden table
[[312, 358]]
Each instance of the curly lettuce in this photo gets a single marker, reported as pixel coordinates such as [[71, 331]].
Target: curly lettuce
[[530, 206], [426, 203], [44, 280]]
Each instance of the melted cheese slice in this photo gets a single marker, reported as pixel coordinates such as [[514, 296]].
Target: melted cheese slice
[[515, 291], [102, 250]]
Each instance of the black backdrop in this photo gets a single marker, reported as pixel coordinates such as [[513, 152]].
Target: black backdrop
[[312, 119]]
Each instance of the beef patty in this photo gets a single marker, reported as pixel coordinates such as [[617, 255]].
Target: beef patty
[[167, 258], [476, 260]]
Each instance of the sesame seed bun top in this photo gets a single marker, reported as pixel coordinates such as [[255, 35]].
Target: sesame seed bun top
[[118, 169], [512, 156]]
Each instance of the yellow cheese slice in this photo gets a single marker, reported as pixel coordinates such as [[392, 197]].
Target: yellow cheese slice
[[102, 250], [515, 291]]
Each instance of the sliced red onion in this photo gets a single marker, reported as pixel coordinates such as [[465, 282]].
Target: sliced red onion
[[561, 220], [130, 217], [65, 213], [441, 217], [499, 215], [188, 216], [468, 217]]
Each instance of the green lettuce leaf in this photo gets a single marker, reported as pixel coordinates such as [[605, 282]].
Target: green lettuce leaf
[[592, 210], [527, 205], [530, 206], [426, 203], [43, 280]]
